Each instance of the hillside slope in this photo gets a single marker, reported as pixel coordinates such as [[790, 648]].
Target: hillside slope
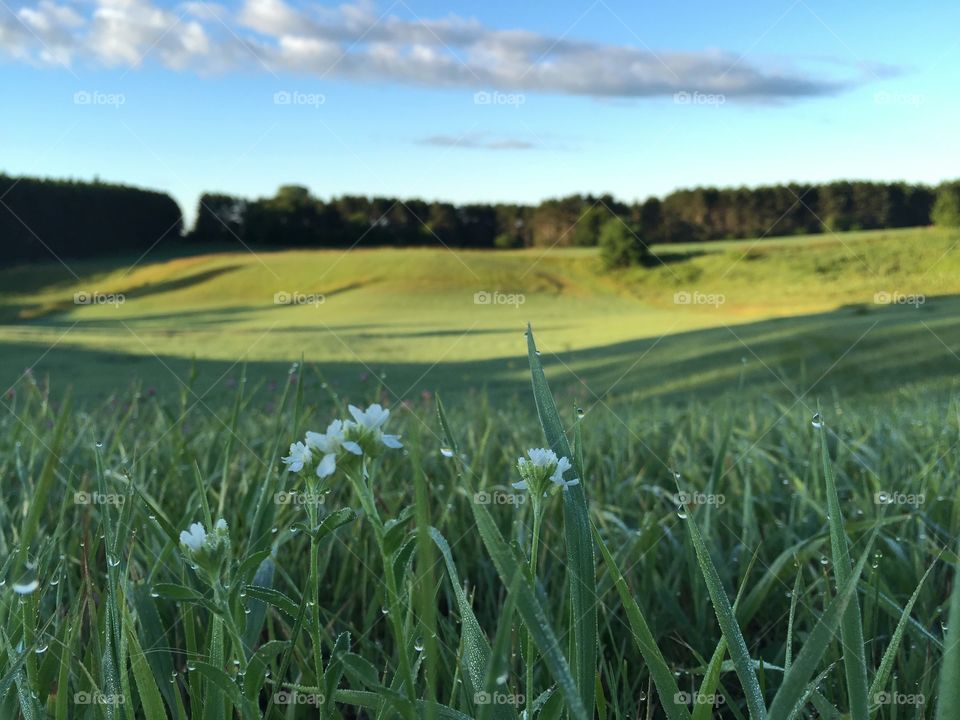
[[414, 309]]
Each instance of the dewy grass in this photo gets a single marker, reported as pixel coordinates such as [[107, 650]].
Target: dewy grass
[[161, 559]]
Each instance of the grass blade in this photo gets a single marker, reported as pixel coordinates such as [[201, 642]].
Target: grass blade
[[851, 626], [663, 678], [949, 695], [581, 561], [794, 685], [744, 665]]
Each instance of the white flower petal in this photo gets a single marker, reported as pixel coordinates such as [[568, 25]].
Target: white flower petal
[[351, 446], [392, 441], [357, 413], [327, 466]]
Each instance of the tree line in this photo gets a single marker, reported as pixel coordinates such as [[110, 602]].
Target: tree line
[[46, 219], [41, 218], [293, 217]]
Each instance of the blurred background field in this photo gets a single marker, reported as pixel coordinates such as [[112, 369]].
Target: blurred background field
[[858, 313]]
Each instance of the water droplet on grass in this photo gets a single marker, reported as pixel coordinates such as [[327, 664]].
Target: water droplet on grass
[[446, 452], [817, 421], [26, 588], [682, 512]]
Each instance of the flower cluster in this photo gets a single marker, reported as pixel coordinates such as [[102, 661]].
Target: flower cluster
[[344, 440], [206, 550], [540, 469]]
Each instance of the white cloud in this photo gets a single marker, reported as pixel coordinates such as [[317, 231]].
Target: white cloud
[[477, 141], [360, 42]]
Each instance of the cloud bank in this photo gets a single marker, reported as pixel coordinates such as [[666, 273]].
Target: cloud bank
[[357, 42]]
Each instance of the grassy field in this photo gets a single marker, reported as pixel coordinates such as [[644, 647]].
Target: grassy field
[[793, 314], [764, 523], [400, 586]]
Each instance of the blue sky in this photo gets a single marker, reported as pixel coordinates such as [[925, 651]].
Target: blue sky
[[634, 99]]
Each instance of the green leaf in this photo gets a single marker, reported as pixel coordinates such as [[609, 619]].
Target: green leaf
[[851, 626], [150, 698], [742, 661], [476, 649], [795, 683], [581, 560], [219, 679], [663, 678], [274, 597], [890, 654], [949, 695], [508, 565]]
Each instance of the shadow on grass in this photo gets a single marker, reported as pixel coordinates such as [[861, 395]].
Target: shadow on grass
[[855, 351]]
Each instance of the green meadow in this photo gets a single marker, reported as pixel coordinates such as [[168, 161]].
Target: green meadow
[[795, 311], [752, 510]]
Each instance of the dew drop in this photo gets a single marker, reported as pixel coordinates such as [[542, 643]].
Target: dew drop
[[682, 512], [817, 421], [446, 452], [27, 588]]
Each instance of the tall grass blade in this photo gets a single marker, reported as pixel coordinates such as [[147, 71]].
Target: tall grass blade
[[663, 678], [948, 701], [851, 626], [743, 663], [795, 683], [581, 561]]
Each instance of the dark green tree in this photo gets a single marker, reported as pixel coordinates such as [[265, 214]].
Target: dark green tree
[[620, 246], [946, 209]]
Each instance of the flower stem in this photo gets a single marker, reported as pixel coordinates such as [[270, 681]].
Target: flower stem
[[314, 599], [531, 646], [369, 505]]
